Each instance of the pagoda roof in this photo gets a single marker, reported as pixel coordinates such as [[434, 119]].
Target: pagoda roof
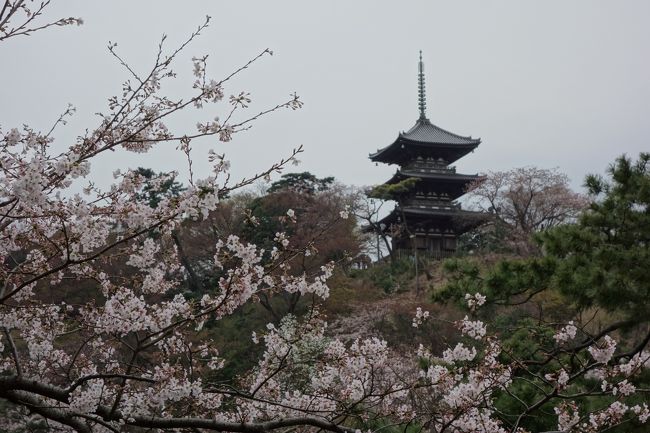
[[443, 212], [439, 176], [426, 136], [426, 132], [412, 210], [463, 219]]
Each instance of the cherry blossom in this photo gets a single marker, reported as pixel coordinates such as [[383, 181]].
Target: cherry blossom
[[98, 334], [567, 333], [474, 301], [474, 329], [603, 352], [420, 317]]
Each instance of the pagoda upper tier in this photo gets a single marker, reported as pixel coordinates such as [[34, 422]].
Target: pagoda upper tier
[[426, 140]]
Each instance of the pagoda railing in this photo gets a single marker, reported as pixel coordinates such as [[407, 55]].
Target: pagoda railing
[[429, 165], [433, 204], [425, 169]]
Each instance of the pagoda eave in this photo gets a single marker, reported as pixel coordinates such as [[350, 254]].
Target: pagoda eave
[[456, 178], [398, 151], [461, 220]]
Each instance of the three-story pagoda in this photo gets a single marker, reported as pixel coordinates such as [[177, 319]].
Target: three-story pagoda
[[427, 218]]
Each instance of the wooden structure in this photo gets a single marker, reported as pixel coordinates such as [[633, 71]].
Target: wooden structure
[[427, 219]]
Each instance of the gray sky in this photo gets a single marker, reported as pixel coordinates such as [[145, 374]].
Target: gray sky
[[549, 83]]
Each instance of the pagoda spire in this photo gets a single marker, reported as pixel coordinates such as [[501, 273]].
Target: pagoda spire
[[422, 100]]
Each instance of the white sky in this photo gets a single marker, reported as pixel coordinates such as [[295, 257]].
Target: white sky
[[549, 83]]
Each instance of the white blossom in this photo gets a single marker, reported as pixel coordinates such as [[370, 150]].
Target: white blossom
[[566, 334], [604, 351], [420, 317], [474, 301]]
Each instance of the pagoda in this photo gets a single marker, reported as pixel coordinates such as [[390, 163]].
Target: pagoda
[[426, 219]]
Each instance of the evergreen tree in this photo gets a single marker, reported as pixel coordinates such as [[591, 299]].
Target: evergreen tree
[[593, 272], [602, 260], [304, 182]]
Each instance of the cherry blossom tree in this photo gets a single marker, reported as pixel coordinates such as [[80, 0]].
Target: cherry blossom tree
[[97, 338], [581, 377], [23, 17]]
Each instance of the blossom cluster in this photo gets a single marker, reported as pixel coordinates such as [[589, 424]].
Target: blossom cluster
[[474, 301], [420, 317], [604, 351], [567, 333], [474, 329]]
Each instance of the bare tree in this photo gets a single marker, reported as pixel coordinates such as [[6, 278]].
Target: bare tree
[[526, 200], [23, 17], [367, 211]]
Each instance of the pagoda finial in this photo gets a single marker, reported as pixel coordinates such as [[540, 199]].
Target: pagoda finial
[[422, 100]]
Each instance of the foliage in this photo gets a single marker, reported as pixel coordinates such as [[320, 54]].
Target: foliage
[[156, 186], [391, 276], [304, 208], [393, 191], [304, 183], [604, 259], [490, 238], [312, 229], [598, 263], [524, 201], [194, 240]]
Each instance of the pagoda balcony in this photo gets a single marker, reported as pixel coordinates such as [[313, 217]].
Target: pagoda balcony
[[430, 196], [429, 165], [427, 203]]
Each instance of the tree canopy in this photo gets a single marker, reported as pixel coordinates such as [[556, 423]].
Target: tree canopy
[[304, 182], [600, 260], [598, 263], [524, 201], [157, 185]]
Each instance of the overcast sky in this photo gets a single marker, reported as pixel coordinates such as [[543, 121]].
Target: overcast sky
[[548, 83]]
